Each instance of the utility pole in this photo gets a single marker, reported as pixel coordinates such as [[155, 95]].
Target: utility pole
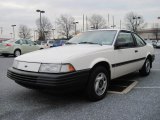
[[136, 18], [1, 30], [40, 11], [113, 22], [75, 27], [120, 24], [83, 22], [13, 31], [53, 33], [86, 23], [108, 21]]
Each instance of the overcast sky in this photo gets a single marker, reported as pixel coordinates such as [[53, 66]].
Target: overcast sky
[[24, 11]]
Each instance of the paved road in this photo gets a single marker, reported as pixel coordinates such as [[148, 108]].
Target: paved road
[[142, 103]]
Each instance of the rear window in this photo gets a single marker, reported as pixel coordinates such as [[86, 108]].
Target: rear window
[[8, 41]]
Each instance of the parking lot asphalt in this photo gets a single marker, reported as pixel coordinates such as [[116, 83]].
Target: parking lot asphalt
[[141, 103]]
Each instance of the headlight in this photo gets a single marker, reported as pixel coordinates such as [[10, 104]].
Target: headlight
[[56, 68], [15, 64]]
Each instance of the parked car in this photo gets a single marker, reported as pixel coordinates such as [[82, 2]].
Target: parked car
[[57, 43], [88, 61], [40, 44], [154, 43], [17, 47], [48, 43], [2, 40], [158, 44], [149, 42]]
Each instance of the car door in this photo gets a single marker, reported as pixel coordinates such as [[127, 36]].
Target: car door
[[125, 57], [24, 46], [141, 50], [32, 46]]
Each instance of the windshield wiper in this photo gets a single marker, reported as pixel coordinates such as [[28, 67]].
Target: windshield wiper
[[88, 43], [69, 43]]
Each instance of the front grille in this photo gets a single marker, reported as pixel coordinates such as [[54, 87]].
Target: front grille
[[19, 77], [51, 81]]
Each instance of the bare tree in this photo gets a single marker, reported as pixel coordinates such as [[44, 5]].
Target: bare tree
[[44, 29], [134, 21], [65, 25], [97, 21], [24, 32]]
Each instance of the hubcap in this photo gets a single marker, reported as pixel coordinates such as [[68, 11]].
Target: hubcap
[[100, 84], [148, 66], [17, 53]]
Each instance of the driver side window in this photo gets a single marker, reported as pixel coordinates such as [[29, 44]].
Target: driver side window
[[126, 39]]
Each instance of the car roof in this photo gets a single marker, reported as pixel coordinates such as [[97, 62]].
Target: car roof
[[110, 30]]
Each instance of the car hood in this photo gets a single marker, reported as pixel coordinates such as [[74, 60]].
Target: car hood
[[60, 54]]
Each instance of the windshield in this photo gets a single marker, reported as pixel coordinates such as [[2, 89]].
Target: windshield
[[103, 37]]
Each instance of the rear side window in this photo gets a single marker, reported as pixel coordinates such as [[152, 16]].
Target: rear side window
[[139, 41], [50, 42]]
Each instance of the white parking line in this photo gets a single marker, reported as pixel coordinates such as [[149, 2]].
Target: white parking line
[[125, 91], [154, 87], [156, 69]]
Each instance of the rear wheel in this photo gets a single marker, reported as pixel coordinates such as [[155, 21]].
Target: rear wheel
[[146, 68], [17, 53], [98, 83]]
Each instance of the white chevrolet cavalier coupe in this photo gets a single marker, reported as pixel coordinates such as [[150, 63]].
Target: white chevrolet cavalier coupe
[[88, 61]]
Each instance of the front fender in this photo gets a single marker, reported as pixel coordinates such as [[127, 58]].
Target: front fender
[[98, 60]]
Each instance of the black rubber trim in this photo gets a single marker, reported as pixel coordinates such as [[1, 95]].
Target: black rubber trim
[[153, 57], [44, 79], [127, 62]]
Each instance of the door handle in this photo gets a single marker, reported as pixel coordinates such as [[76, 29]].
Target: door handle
[[136, 51]]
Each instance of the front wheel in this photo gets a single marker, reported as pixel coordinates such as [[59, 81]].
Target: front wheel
[[98, 83], [146, 68], [17, 53]]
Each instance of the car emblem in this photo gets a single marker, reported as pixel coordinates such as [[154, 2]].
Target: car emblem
[[25, 66]]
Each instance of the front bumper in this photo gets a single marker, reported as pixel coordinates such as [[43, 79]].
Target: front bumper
[[6, 51], [74, 80]]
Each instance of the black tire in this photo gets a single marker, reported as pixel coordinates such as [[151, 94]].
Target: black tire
[[5, 55], [91, 87], [145, 70], [15, 53]]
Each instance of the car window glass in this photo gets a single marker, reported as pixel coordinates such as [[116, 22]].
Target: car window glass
[[18, 42], [139, 40], [51, 42], [30, 42], [125, 38], [24, 42]]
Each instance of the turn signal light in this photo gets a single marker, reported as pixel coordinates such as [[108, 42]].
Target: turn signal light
[[71, 68]]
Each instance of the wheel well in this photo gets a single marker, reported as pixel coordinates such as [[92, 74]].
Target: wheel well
[[17, 49], [105, 64], [150, 58]]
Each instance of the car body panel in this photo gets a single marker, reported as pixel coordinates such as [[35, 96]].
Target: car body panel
[[24, 48], [85, 56]]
